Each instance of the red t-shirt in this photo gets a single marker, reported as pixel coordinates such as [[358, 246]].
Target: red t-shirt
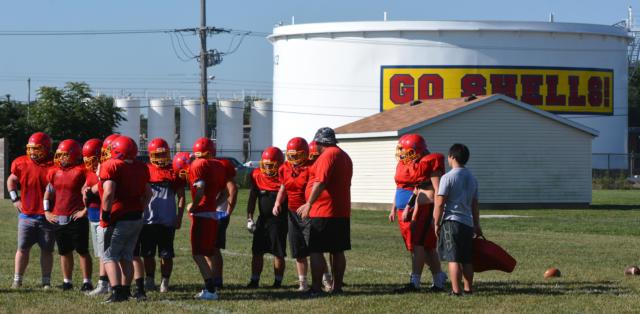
[[335, 169], [295, 181], [410, 175], [92, 179], [33, 181], [214, 175], [67, 185], [263, 182], [131, 180]]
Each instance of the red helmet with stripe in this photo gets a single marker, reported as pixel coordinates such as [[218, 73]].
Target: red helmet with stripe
[[38, 146], [181, 163], [412, 147], [297, 151], [204, 148], [159, 152], [313, 151], [91, 153], [68, 154], [105, 153], [271, 160], [124, 148]]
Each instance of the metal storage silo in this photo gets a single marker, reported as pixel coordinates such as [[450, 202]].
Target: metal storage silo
[[162, 122], [130, 127], [262, 128], [229, 133], [190, 129]]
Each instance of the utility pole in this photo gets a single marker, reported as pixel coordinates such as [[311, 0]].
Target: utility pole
[[28, 91], [203, 67]]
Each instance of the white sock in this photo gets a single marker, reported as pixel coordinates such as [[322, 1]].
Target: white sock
[[302, 278], [326, 276], [17, 277], [86, 280], [66, 280], [415, 280]]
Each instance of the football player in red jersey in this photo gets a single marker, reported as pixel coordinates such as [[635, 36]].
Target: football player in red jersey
[[64, 207], [269, 231], [313, 151], [125, 195], [417, 177], [207, 179], [91, 153], [29, 175], [163, 217]]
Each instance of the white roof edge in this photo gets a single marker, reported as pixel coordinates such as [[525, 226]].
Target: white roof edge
[[366, 134], [510, 100], [386, 26]]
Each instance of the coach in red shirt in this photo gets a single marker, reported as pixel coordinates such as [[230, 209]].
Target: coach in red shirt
[[328, 206]]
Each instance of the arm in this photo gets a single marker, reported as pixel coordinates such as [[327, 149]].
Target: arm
[[392, 212], [317, 188], [109, 192], [476, 217], [232, 190], [181, 203], [13, 183], [146, 198], [437, 212], [281, 195], [46, 202], [251, 203], [199, 186]]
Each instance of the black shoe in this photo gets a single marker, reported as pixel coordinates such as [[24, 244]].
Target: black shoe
[[407, 289], [453, 294], [277, 284], [468, 292], [66, 286], [253, 284], [140, 296], [115, 297], [337, 291], [436, 289], [312, 293], [87, 286]]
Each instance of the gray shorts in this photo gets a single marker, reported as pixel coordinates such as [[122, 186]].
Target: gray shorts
[[455, 243], [120, 240], [32, 231], [97, 238]]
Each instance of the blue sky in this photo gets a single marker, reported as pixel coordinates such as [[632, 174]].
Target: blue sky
[[147, 65]]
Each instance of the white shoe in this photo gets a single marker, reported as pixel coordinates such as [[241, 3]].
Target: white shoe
[[303, 286], [206, 295], [149, 284], [16, 284], [327, 282], [164, 285], [101, 288]]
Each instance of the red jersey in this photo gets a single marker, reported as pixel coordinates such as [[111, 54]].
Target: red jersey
[[67, 185], [33, 181], [263, 182], [92, 179], [131, 180], [159, 175], [214, 175], [230, 170], [335, 169], [295, 181], [408, 176]]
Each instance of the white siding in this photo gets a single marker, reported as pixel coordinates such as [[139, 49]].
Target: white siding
[[516, 155]]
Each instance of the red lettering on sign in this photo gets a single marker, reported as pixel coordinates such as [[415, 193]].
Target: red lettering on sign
[[575, 99], [504, 84], [401, 89], [607, 92], [430, 86], [473, 85], [595, 91], [531, 89], [553, 99]]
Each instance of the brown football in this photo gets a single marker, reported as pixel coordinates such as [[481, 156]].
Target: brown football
[[552, 272], [632, 271]]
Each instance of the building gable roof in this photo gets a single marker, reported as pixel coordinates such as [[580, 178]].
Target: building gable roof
[[409, 117]]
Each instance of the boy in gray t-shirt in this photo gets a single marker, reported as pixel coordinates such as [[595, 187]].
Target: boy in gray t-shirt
[[456, 218]]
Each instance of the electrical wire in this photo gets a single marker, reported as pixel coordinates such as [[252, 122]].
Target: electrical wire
[[173, 46]]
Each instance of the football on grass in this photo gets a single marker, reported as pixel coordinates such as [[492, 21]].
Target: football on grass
[[632, 271], [552, 272]]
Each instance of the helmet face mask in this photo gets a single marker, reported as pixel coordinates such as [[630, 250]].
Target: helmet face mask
[[36, 152], [91, 153], [269, 168], [159, 153], [407, 155], [91, 163], [271, 160], [297, 157], [410, 148], [105, 151], [62, 159], [68, 154]]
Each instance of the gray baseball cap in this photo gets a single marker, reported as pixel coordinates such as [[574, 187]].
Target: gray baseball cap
[[325, 136]]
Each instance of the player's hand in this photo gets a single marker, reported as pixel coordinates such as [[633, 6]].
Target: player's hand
[[105, 216], [51, 217], [392, 215], [436, 229], [407, 214], [276, 210], [178, 224], [190, 208], [477, 230], [251, 226], [79, 214], [18, 206], [303, 211]]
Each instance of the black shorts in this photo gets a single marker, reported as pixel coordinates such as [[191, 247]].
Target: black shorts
[[329, 235], [156, 236], [221, 240], [298, 235], [73, 236], [455, 243]]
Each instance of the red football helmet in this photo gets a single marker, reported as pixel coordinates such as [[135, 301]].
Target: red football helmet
[[38, 146], [313, 151], [159, 152], [412, 147], [68, 154], [181, 163], [124, 148], [91, 153], [297, 151], [272, 158], [204, 148], [105, 153]]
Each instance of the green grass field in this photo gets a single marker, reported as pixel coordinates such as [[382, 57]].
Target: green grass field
[[590, 247]]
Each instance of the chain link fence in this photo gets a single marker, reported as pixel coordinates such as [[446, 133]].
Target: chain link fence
[[616, 171]]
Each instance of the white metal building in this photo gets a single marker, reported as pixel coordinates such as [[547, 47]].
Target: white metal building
[[329, 74], [229, 136], [131, 125], [520, 155], [162, 121]]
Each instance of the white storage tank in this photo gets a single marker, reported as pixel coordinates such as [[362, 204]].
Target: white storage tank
[[131, 126], [162, 121], [262, 129], [190, 129], [229, 133], [329, 74]]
